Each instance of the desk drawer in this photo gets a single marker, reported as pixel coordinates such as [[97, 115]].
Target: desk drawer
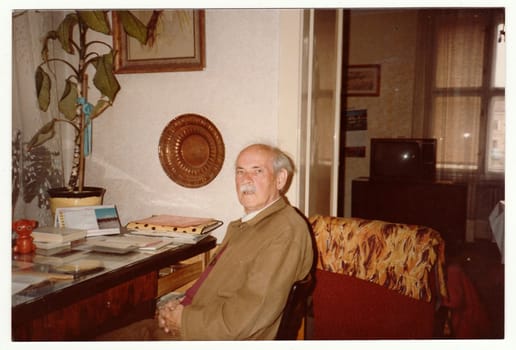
[[180, 275], [112, 308]]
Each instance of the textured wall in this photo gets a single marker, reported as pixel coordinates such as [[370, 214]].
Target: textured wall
[[238, 92]]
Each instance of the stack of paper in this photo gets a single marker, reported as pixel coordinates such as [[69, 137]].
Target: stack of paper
[[126, 243], [50, 240], [51, 234], [177, 238], [51, 248]]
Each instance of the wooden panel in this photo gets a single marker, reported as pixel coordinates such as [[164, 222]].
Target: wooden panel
[[112, 308], [181, 275]]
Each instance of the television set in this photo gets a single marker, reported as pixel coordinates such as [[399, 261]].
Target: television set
[[403, 159]]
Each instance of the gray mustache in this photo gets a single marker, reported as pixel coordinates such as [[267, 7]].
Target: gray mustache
[[247, 188]]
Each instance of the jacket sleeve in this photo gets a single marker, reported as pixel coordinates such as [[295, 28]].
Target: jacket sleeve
[[258, 303]]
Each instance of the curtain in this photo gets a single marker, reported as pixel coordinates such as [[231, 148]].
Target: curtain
[[455, 115], [37, 170], [458, 102]]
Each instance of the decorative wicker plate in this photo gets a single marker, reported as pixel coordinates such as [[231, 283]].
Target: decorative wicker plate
[[191, 150]]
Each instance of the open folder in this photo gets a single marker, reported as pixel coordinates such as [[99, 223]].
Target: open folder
[[96, 220]]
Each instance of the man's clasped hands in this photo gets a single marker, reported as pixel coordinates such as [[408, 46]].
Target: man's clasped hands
[[169, 316]]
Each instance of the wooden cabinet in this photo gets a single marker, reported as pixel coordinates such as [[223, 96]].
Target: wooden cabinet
[[439, 205], [119, 305]]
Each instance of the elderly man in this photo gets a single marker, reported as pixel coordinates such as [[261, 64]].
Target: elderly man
[[242, 292]]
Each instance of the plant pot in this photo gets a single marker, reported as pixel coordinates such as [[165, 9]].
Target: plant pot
[[62, 197]]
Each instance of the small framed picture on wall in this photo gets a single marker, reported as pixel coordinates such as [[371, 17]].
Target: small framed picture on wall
[[362, 80]]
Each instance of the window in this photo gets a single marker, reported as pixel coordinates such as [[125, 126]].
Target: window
[[466, 109]]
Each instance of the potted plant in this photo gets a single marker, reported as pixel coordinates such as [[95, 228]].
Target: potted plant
[[91, 63]]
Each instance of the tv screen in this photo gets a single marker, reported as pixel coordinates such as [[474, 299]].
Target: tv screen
[[403, 159]]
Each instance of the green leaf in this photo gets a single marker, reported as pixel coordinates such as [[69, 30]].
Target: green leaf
[[104, 79], [51, 35], [65, 32], [100, 107], [43, 135], [68, 102], [133, 26], [96, 20], [43, 85]]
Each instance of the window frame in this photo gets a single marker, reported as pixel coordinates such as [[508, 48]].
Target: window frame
[[486, 92]]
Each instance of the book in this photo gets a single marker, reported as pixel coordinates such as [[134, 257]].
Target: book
[[50, 248], [79, 268], [176, 237], [51, 245], [138, 241], [165, 242], [52, 251], [56, 234], [159, 250], [97, 220], [113, 247], [127, 242], [175, 224], [59, 258]]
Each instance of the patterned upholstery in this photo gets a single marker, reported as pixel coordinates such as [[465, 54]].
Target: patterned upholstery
[[397, 256]]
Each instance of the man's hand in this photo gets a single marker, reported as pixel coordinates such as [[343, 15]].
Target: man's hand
[[169, 317]]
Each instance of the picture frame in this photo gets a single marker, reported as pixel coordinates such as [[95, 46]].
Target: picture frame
[[362, 80], [179, 44]]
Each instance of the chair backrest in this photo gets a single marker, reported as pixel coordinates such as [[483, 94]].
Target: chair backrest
[[295, 308], [400, 257]]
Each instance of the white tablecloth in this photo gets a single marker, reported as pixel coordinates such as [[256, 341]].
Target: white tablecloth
[[497, 223]]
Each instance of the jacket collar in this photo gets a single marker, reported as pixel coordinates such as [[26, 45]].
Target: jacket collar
[[273, 208]]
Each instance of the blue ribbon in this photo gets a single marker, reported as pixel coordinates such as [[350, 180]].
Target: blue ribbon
[[87, 108]]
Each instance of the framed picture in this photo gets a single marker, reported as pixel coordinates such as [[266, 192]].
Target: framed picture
[[363, 80], [178, 44]]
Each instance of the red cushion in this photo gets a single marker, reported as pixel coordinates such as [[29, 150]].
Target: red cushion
[[350, 308]]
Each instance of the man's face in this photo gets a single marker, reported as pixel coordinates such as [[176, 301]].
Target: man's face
[[256, 184]]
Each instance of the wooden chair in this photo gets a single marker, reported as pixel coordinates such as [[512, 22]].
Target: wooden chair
[[295, 309]]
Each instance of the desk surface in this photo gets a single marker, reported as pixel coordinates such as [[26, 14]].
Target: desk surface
[[118, 268]]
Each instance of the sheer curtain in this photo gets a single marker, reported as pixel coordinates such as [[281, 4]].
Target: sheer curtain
[[460, 102], [35, 171]]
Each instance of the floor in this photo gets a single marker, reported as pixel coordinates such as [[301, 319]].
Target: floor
[[481, 262]]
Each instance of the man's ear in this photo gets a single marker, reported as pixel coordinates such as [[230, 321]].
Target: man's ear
[[281, 179]]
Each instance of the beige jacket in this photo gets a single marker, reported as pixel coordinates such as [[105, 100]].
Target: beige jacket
[[244, 295]]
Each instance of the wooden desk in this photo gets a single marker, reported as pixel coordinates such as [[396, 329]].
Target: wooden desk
[[91, 305]]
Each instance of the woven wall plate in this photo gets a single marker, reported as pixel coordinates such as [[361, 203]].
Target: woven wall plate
[[191, 150]]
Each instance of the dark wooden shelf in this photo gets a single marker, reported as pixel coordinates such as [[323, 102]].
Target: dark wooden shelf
[[439, 205]]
